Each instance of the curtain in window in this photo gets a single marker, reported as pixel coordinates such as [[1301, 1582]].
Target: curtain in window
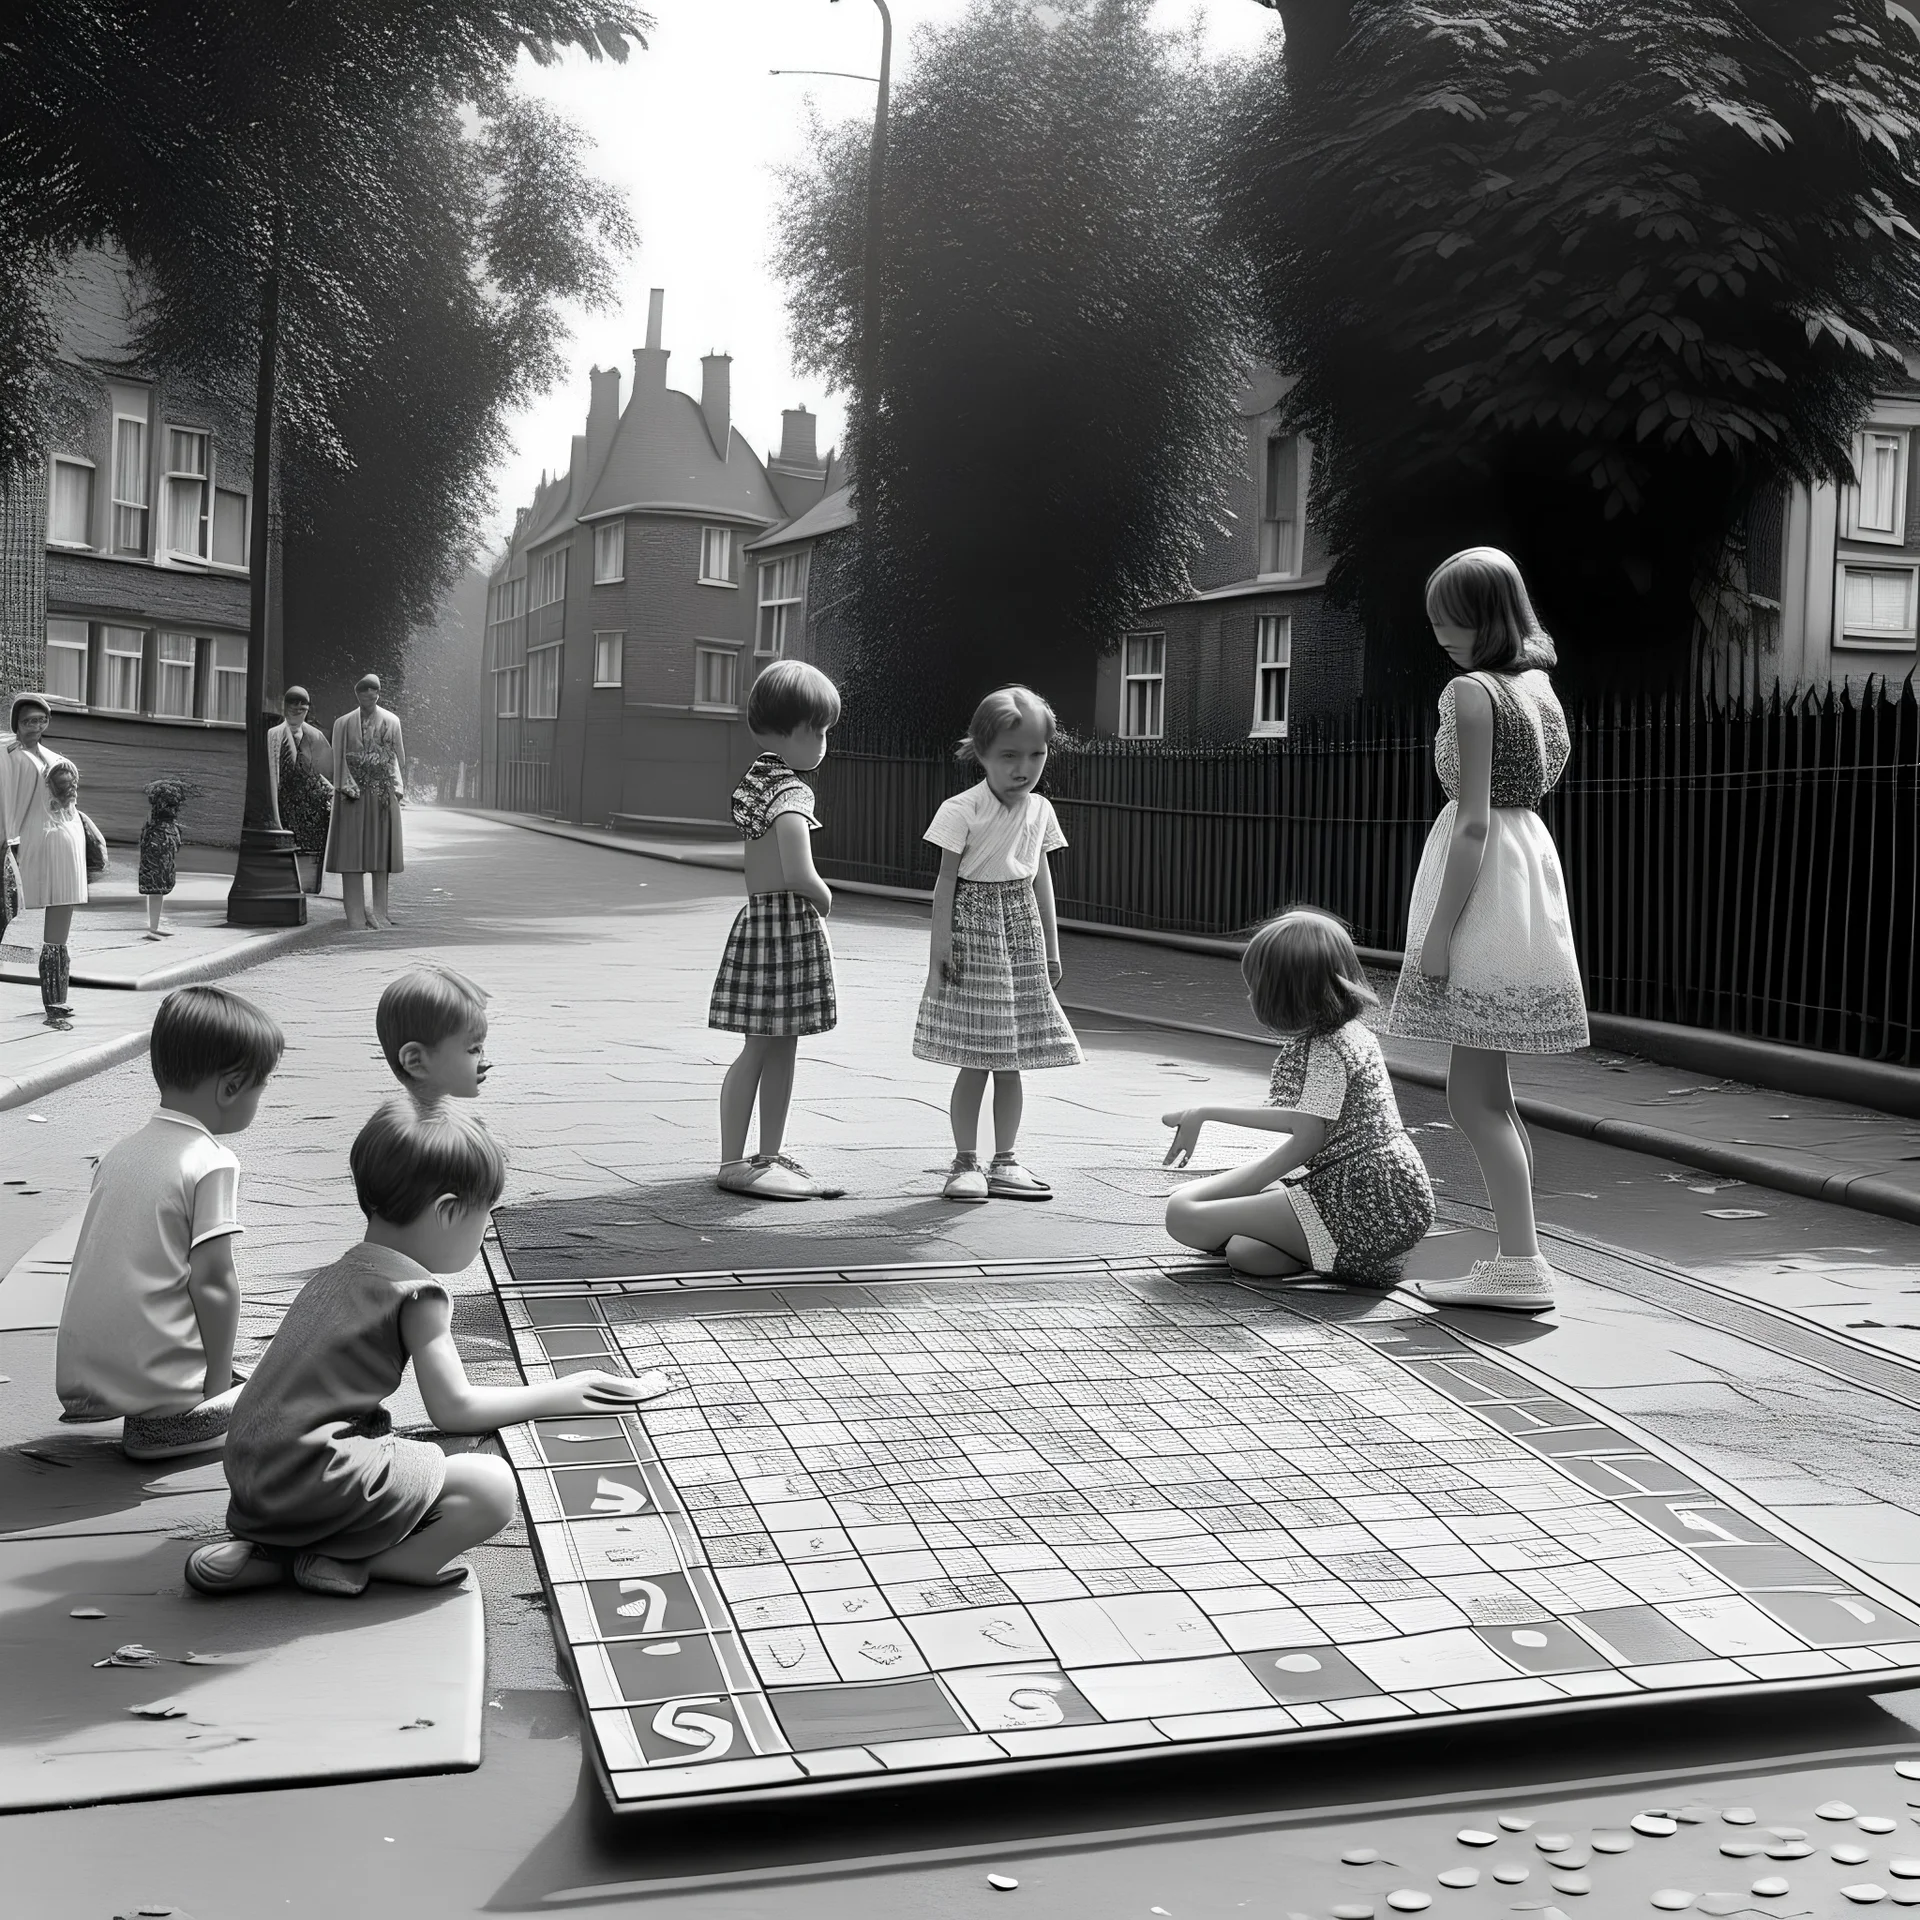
[[173, 689]]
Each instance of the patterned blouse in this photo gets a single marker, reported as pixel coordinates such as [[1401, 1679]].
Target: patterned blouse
[[768, 789], [1341, 1078], [1530, 740]]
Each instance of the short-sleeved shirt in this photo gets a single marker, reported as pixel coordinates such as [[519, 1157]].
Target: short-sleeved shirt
[[129, 1339], [996, 842], [1341, 1078], [768, 789]]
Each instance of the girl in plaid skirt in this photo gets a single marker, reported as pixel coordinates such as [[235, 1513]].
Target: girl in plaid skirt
[[989, 1008], [776, 977]]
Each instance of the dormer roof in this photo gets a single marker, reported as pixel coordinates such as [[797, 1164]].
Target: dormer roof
[[663, 461]]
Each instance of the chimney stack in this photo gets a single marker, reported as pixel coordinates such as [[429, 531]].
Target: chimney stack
[[797, 447], [716, 397], [650, 361], [603, 418], [656, 307]]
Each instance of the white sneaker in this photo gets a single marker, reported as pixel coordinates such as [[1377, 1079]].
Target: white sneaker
[[965, 1180], [1508, 1283], [764, 1180]]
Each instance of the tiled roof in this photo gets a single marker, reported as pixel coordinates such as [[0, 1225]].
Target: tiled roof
[[663, 460], [832, 514]]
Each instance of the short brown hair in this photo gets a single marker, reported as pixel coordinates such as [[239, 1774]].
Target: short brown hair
[[403, 1160], [1303, 975], [429, 1004], [1481, 588], [791, 694], [1000, 712], [202, 1032]]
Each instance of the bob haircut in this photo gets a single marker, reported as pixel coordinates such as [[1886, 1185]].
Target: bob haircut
[[201, 1033], [429, 1004], [403, 1160], [302, 695], [1481, 588], [792, 694], [999, 713], [20, 700], [365, 681], [1303, 975]]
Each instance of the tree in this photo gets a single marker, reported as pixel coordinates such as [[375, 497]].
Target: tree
[[1060, 347], [1577, 277]]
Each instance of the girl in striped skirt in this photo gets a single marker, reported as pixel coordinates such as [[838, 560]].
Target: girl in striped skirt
[[988, 1008]]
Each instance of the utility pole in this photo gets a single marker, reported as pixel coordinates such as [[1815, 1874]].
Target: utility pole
[[876, 200]]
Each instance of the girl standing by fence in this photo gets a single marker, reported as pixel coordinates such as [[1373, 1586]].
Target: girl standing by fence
[[989, 1008], [1490, 964]]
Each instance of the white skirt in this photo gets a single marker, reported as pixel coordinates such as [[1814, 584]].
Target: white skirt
[[53, 864], [1513, 984]]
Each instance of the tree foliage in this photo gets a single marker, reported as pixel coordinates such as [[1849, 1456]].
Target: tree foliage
[[1577, 276], [1060, 348]]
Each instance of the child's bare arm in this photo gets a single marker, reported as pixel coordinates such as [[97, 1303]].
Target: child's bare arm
[[795, 843], [455, 1405], [1049, 925], [1309, 1131], [1473, 711], [214, 1288], [941, 958]]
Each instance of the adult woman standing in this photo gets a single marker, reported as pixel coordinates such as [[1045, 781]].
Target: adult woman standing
[[364, 837], [300, 775], [52, 843]]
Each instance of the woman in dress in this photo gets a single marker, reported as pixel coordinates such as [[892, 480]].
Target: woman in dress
[[300, 774], [51, 841], [363, 838], [1490, 966]]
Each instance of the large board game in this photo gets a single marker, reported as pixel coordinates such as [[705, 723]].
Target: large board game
[[919, 1519]]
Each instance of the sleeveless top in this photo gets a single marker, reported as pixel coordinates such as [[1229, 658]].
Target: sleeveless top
[[1530, 739], [768, 789]]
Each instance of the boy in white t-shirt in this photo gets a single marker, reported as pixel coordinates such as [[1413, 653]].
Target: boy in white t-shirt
[[153, 1302]]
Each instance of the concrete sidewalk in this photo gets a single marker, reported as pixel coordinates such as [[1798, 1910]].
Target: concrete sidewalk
[[1798, 1143]]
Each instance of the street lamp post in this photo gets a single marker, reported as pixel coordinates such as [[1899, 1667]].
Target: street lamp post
[[876, 196]]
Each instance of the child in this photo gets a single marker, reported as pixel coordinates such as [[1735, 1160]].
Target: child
[[159, 847], [319, 1483], [1490, 965], [153, 1303], [776, 976], [1354, 1197], [432, 1024], [988, 1007]]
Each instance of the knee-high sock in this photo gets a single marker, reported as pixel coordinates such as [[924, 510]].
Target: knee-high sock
[[55, 972]]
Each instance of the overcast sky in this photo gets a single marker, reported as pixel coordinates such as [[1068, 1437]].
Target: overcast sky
[[693, 130]]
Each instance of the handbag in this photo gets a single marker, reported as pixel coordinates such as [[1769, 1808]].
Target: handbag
[[97, 858]]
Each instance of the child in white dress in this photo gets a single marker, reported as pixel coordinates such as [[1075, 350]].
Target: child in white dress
[[989, 1007]]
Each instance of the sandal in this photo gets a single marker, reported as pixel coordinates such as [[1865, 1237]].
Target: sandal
[[232, 1566], [321, 1573], [1007, 1179], [965, 1181], [762, 1179]]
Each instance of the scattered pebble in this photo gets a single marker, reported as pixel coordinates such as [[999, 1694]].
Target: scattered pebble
[[1553, 1842], [1460, 1877], [133, 1654], [1740, 1849], [1572, 1858], [1864, 1894], [1475, 1837], [1360, 1856], [1002, 1882], [1656, 1824], [1354, 1910], [160, 1710], [1572, 1883], [1509, 1874], [1672, 1900], [1733, 1213], [87, 1613], [1835, 1810], [1770, 1886], [1738, 1816], [1907, 1769], [1409, 1900], [1904, 1869], [1786, 1833], [1515, 1823], [36, 1119], [1609, 1842], [1876, 1823], [1849, 1855], [1789, 1850]]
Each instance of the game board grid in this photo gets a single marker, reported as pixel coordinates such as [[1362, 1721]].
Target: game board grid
[[787, 1584]]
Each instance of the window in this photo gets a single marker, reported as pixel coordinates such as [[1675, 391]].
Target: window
[[609, 650], [173, 676], [1877, 606], [716, 556], [67, 661], [1280, 505], [226, 696], [121, 650], [509, 599], [229, 528], [188, 477], [1876, 508], [1273, 662], [550, 577], [609, 552], [543, 683], [506, 693], [781, 584], [70, 516], [130, 479], [714, 671], [1143, 681]]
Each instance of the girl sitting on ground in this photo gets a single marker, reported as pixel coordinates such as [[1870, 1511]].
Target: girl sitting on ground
[[1345, 1192], [320, 1485]]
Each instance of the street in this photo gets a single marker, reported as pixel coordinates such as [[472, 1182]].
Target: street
[[1768, 1349]]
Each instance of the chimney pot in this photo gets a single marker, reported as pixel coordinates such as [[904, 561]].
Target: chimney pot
[[716, 398], [656, 305], [797, 447]]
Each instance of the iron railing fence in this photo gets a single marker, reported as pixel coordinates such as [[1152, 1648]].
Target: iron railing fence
[[1749, 868]]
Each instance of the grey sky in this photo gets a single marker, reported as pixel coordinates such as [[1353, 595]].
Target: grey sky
[[693, 129]]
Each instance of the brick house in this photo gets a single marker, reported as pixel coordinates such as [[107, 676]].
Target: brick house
[[627, 619], [127, 585]]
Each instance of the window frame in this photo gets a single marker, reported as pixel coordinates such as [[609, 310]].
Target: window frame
[[532, 684], [245, 497], [137, 655], [122, 414], [724, 535], [779, 605], [1290, 561], [506, 686], [170, 555], [162, 666], [1280, 625], [541, 573], [207, 705], [80, 463], [618, 544], [66, 645], [1155, 678], [1852, 493], [1882, 640], [618, 636], [719, 650]]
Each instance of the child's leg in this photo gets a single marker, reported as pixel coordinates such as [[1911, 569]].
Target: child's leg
[[1009, 1104], [155, 902], [969, 1089], [776, 1092], [1241, 1227], [476, 1500], [1480, 1098], [737, 1093], [353, 890], [382, 917]]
